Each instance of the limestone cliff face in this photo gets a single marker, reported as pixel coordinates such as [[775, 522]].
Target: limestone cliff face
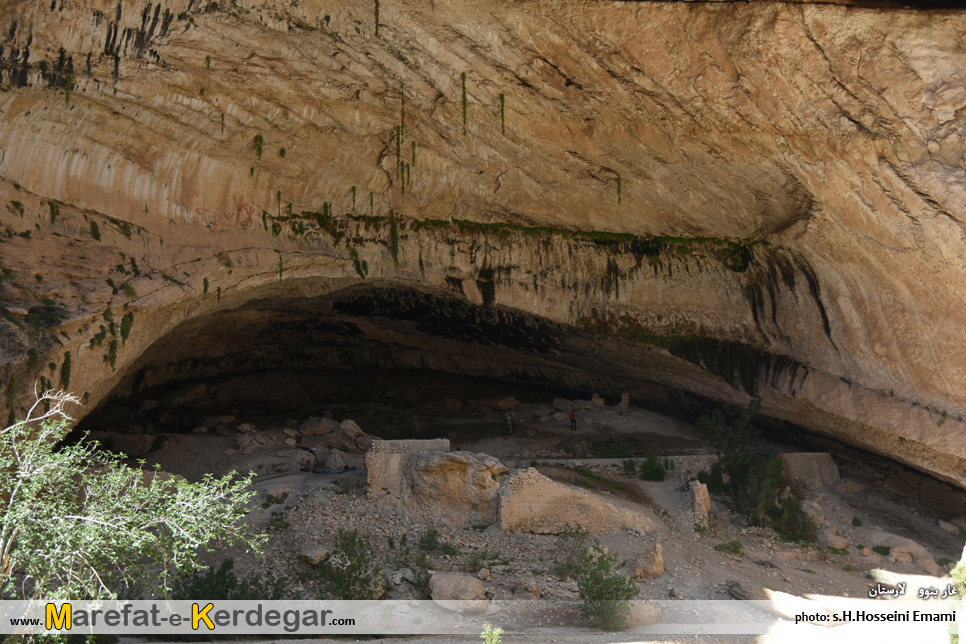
[[785, 184]]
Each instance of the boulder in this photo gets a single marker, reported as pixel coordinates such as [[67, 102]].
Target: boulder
[[903, 550], [313, 553], [901, 554], [649, 565], [562, 404], [276, 461], [316, 426], [456, 489], [531, 502], [596, 402], [951, 528], [506, 403], [836, 541], [581, 404], [527, 588], [458, 591], [331, 461], [351, 428]]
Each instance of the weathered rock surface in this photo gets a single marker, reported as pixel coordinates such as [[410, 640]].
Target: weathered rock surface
[[649, 565], [531, 502], [458, 591], [700, 501], [904, 550], [315, 426], [275, 461], [332, 461], [455, 489], [312, 553], [387, 460], [810, 470], [178, 180]]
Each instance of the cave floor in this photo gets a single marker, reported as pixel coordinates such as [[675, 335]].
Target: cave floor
[[316, 506]]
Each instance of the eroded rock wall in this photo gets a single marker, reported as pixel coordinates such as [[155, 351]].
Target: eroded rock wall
[[787, 180]]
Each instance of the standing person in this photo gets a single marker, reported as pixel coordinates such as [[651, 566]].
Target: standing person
[[509, 424], [573, 420]]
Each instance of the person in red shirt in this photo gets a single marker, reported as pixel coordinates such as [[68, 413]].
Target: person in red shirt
[[573, 420]]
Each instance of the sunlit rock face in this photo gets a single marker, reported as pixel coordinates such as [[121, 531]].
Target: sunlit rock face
[[717, 200]]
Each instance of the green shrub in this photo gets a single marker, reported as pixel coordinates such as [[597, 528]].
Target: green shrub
[[278, 520], [753, 482], [603, 589], [882, 550], [351, 570], [652, 469], [734, 547], [95, 231], [491, 635], [430, 542], [222, 584], [65, 370], [127, 323], [47, 314], [856, 522], [630, 467]]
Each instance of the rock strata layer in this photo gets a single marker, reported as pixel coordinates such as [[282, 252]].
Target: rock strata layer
[[737, 200]]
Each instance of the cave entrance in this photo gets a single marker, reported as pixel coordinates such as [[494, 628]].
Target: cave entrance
[[403, 361], [411, 362]]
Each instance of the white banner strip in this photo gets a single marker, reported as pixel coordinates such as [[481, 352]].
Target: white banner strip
[[829, 619]]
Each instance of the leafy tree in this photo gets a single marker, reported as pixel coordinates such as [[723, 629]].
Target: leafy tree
[[753, 482], [604, 590], [76, 522], [730, 438]]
